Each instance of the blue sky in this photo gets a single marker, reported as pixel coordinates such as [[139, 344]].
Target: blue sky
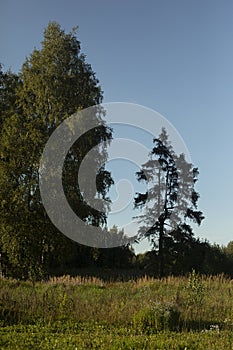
[[175, 57]]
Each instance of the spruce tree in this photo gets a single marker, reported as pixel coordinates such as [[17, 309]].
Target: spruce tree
[[171, 198]]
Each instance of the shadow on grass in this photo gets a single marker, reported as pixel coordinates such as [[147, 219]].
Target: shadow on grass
[[199, 325]]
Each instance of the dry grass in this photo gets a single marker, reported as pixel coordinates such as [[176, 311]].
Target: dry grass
[[85, 299]]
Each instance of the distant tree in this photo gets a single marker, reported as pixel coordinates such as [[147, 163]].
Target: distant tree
[[54, 83], [228, 250], [170, 199], [117, 257], [146, 262]]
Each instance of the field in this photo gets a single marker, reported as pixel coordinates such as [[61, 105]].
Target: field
[[87, 313]]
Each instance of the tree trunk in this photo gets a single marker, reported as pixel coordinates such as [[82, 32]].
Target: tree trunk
[[161, 253]]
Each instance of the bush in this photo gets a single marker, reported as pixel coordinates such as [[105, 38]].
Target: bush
[[157, 317], [195, 289]]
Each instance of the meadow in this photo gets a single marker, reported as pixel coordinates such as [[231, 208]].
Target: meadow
[[193, 312]]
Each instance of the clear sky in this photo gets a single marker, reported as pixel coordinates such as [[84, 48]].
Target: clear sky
[[174, 56]]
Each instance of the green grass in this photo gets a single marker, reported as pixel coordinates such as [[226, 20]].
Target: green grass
[[100, 337], [78, 313]]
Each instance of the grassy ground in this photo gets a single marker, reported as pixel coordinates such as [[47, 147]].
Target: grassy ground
[[78, 313]]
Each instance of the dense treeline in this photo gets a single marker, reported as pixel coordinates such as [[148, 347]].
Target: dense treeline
[[55, 82], [198, 255], [123, 263]]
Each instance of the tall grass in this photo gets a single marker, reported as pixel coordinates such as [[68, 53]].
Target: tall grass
[[188, 313], [201, 302]]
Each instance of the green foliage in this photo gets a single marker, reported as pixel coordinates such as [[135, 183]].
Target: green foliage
[[81, 299], [54, 83], [195, 289], [95, 336], [157, 317], [8, 85], [84, 313]]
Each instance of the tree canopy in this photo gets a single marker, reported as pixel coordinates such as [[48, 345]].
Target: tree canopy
[[55, 81]]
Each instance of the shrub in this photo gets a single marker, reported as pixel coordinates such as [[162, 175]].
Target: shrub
[[195, 289], [157, 317]]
